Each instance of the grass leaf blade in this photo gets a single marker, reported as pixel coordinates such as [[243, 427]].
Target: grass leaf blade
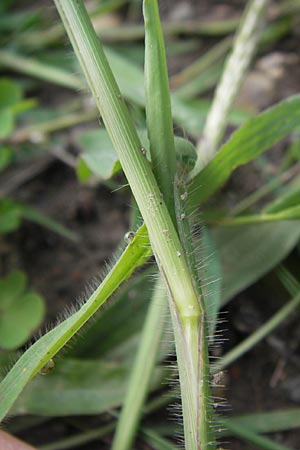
[[48, 345], [249, 141]]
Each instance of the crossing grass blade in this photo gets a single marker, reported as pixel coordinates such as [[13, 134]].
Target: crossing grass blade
[[35, 358], [249, 141]]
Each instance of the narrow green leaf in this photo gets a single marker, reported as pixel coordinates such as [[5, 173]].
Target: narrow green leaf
[[156, 441], [118, 325], [79, 439], [290, 199], [254, 137], [42, 219], [142, 371], [248, 435], [158, 104], [188, 114], [288, 280], [268, 422], [248, 343], [12, 212], [292, 213], [48, 345], [38, 69]]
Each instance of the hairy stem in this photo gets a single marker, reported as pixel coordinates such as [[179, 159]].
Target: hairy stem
[[186, 307]]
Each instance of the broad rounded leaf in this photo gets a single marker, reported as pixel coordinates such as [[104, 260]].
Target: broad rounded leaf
[[10, 215], [10, 93], [98, 154], [250, 251], [77, 386], [20, 312]]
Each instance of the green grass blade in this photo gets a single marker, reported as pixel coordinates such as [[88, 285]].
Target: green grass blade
[[288, 280], [254, 137], [41, 219], [158, 104], [282, 181], [204, 82], [269, 422], [37, 69], [291, 198], [210, 58], [46, 347], [156, 441], [292, 213], [52, 125], [80, 439], [247, 434], [267, 328], [142, 370]]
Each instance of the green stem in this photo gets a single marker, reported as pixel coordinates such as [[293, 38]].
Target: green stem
[[184, 300], [202, 385], [137, 169]]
